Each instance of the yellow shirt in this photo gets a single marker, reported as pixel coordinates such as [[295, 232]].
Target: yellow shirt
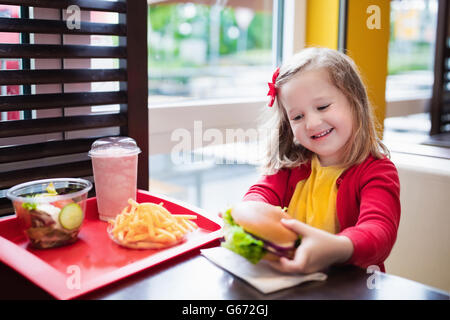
[[314, 199]]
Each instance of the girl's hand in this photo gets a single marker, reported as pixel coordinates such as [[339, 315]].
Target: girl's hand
[[317, 251]]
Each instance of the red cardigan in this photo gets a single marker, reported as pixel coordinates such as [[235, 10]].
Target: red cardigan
[[367, 204]]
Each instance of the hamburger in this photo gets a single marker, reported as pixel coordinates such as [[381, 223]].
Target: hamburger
[[253, 230]]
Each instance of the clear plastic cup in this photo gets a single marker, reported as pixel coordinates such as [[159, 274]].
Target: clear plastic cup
[[50, 211], [114, 161]]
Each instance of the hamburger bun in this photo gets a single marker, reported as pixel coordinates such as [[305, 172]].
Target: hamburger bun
[[263, 220]]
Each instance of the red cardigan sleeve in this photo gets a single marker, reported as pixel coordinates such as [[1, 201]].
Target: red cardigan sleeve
[[270, 188], [375, 231]]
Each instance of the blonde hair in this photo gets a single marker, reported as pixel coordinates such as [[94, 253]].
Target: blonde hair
[[284, 152]]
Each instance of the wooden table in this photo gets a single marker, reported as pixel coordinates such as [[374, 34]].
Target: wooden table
[[193, 277]]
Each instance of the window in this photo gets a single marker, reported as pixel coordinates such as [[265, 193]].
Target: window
[[411, 47], [55, 80], [208, 70], [411, 54], [410, 69], [105, 40], [208, 50], [100, 37], [10, 64]]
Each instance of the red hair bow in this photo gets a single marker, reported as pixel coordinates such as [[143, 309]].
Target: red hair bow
[[272, 90]]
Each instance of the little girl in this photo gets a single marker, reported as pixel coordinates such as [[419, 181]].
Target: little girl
[[329, 168]]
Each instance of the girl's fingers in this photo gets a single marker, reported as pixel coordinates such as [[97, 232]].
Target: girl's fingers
[[288, 266], [277, 265], [298, 227]]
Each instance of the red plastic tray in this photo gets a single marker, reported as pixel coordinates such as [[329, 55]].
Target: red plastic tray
[[94, 260]]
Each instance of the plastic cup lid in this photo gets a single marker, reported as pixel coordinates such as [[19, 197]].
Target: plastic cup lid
[[114, 146]]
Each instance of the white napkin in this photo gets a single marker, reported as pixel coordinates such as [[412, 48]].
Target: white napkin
[[260, 275]]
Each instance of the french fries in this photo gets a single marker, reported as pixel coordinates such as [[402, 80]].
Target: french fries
[[149, 225]]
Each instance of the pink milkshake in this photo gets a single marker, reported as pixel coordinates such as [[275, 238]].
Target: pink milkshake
[[114, 161]]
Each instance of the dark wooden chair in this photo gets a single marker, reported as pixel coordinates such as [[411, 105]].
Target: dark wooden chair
[[25, 152]]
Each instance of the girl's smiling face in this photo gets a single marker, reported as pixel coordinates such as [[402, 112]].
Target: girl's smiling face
[[319, 114]]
